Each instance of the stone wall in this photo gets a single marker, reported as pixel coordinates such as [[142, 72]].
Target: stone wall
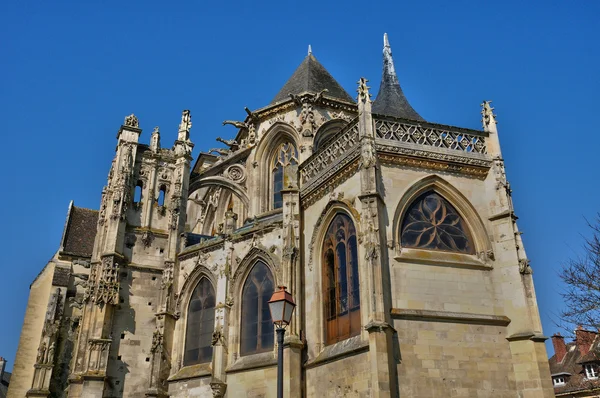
[[37, 305], [449, 359], [134, 323]]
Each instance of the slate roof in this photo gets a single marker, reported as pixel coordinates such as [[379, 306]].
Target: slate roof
[[572, 364], [80, 232], [312, 77], [390, 99]]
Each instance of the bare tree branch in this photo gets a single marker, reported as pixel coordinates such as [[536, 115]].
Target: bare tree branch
[[581, 276]]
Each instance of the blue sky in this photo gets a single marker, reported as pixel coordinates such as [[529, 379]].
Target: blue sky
[[71, 71]]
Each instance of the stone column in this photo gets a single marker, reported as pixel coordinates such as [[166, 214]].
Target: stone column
[[162, 339], [292, 279], [219, 338], [375, 262]]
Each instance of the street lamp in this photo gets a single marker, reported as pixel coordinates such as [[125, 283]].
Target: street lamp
[[281, 306]]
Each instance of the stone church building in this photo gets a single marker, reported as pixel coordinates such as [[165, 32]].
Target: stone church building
[[396, 237]]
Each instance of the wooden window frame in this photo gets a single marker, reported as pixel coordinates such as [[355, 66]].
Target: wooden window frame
[[341, 296]]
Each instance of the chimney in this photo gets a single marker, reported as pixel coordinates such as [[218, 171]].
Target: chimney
[[584, 340], [2, 366], [560, 349]]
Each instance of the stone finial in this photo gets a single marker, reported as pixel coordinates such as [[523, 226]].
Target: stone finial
[[488, 118], [309, 50], [185, 125], [363, 90], [386, 42], [131, 121], [155, 140]]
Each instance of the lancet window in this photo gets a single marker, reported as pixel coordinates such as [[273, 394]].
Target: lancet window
[[431, 222], [161, 195], [200, 324], [137, 195], [256, 324], [340, 280], [286, 155]]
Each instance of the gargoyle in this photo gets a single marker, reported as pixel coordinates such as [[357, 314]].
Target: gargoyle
[[75, 303], [220, 151], [85, 277], [232, 144], [239, 125]]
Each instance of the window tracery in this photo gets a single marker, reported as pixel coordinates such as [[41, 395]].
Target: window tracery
[[286, 155], [431, 222], [256, 324], [200, 324], [341, 290]]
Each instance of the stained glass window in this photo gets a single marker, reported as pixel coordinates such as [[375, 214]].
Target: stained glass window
[[200, 324], [257, 327], [340, 280], [286, 155], [431, 222]]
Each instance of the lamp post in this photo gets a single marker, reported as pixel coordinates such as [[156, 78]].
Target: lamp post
[[281, 306]]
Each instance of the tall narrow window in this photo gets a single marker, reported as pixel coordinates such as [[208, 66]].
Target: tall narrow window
[[200, 324], [431, 222], [340, 280], [257, 326], [286, 155], [137, 195], [161, 195]]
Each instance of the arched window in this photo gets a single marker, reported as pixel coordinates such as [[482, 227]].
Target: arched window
[[161, 195], [286, 155], [340, 280], [431, 222], [200, 324], [257, 326], [137, 195]]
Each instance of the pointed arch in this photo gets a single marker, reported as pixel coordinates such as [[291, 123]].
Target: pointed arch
[[200, 323], [256, 254], [464, 208], [279, 134], [237, 189], [340, 279], [256, 325], [327, 131]]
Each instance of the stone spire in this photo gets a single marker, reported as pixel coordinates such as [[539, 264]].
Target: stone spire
[[390, 98]]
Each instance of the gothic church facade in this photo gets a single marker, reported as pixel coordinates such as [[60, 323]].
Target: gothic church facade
[[396, 237]]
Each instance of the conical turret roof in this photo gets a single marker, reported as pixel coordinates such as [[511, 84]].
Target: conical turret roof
[[390, 98], [311, 76]]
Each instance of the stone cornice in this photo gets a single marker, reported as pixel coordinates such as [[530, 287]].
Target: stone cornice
[[448, 316]]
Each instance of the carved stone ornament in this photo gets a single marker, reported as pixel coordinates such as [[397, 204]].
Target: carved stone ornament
[[487, 113], [525, 267], [107, 288], [186, 121], [157, 342], [236, 173], [131, 121], [147, 238], [368, 154], [218, 338], [218, 388], [363, 90]]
